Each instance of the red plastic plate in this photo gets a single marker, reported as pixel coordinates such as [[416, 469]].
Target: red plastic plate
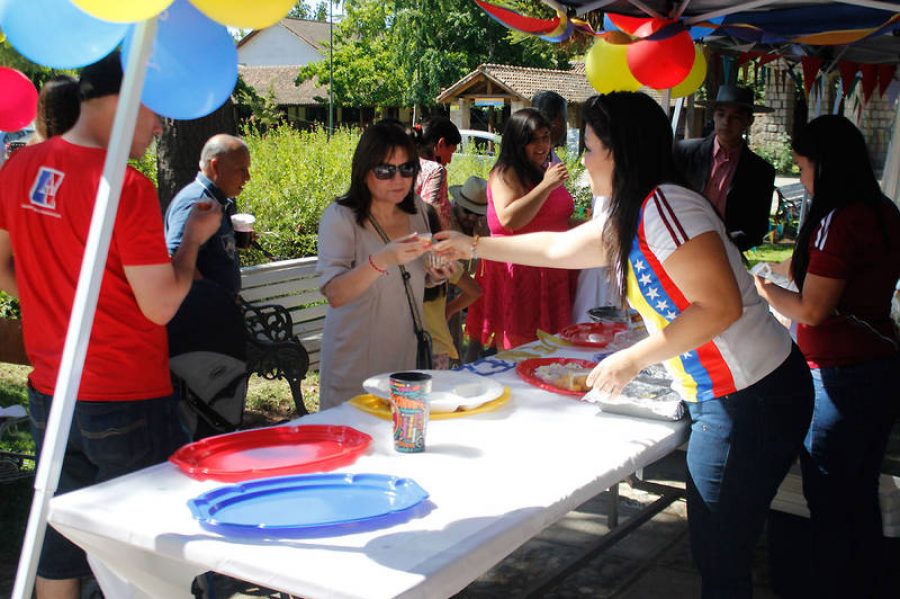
[[273, 451], [592, 334], [525, 369]]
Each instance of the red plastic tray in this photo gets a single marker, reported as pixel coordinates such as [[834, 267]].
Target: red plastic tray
[[592, 334], [525, 369], [273, 451]]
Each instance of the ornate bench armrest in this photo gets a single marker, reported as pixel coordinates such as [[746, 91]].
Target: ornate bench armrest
[[273, 352]]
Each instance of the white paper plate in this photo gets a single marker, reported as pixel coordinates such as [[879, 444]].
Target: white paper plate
[[450, 390]]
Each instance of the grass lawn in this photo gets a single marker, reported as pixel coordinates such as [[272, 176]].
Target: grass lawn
[[770, 252]]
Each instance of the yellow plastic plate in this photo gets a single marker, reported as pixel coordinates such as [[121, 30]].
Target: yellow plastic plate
[[382, 409]]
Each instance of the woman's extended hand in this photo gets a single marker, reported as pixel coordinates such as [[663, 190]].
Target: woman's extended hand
[[555, 175], [613, 373], [402, 251], [453, 245], [439, 274]]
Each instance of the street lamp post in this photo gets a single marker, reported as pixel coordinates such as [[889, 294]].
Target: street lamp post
[[330, 68]]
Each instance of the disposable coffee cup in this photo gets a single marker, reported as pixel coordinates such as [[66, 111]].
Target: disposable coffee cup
[[409, 407], [243, 229]]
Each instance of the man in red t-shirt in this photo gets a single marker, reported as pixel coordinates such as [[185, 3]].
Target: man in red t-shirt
[[125, 417]]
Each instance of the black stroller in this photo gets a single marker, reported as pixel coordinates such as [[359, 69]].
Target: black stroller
[[208, 360]]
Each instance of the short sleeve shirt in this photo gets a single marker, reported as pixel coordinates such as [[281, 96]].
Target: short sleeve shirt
[[47, 194], [746, 352], [217, 259], [859, 244]]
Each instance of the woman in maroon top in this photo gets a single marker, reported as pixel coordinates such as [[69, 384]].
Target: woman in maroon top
[[846, 264]]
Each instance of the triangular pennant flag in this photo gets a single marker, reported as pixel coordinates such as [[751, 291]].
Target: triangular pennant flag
[[869, 80], [885, 76], [767, 58], [848, 75], [811, 66]]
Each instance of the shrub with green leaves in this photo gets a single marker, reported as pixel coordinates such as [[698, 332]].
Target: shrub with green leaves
[[778, 154], [9, 307], [295, 175]]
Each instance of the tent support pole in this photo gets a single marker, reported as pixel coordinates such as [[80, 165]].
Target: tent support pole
[[84, 306]]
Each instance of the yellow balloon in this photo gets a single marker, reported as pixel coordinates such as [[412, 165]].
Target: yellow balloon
[[607, 69], [122, 11], [695, 78], [244, 13]]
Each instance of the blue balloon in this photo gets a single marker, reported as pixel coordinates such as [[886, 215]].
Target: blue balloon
[[193, 66], [54, 33], [3, 5]]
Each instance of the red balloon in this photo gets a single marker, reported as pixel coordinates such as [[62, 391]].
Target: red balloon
[[18, 102], [661, 64]]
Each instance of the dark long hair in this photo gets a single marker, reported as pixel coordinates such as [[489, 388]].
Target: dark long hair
[[431, 131], [518, 133], [374, 147], [59, 105], [637, 132], [843, 176]]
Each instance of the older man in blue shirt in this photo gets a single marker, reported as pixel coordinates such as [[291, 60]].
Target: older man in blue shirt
[[224, 170]]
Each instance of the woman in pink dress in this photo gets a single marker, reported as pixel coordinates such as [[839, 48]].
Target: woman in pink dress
[[524, 195]]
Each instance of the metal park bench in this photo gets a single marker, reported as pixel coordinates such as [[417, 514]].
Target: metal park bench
[[284, 314]]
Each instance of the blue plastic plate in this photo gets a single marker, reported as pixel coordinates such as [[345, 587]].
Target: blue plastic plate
[[305, 502]]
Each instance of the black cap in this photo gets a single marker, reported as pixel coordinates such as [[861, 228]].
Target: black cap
[[103, 78]]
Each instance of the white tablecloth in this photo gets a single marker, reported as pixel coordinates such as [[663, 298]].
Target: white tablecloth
[[495, 480]]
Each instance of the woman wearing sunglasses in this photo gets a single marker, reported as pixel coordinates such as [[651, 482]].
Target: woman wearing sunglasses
[[368, 324], [525, 193], [747, 387]]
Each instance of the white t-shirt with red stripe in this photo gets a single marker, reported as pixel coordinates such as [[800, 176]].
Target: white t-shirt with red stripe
[[743, 354]]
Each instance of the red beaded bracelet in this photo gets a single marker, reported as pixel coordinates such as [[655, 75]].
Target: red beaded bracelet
[[382, 271]]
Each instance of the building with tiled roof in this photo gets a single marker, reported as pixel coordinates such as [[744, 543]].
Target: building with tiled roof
[[502, 89], [278, 83], [519, 83], [288, 42]]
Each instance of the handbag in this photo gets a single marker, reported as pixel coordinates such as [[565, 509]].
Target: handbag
[[423, 337]]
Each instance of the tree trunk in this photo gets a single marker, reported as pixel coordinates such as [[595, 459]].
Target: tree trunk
[[178, 150]]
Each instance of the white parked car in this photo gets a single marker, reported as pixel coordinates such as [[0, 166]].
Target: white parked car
[[480, 146]]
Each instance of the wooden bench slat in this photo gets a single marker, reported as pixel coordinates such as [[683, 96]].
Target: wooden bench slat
[[268, 293], [294, 285]]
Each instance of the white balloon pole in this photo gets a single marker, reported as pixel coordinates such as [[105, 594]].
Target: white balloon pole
[[82, 319]]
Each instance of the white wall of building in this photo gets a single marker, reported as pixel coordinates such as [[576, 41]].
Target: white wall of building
[[276, 46]]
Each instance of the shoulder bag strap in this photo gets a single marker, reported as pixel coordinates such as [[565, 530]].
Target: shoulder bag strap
[[417, 320]]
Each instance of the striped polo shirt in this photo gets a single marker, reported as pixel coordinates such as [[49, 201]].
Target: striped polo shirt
[[748, 350]]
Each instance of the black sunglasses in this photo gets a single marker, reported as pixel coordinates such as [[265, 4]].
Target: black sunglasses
[[387, 171]]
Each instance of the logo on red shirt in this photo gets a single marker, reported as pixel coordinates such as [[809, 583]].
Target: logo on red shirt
[[46, 184]]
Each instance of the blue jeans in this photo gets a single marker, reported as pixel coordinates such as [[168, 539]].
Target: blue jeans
[[843, 451], [107, 439], [740, 450]]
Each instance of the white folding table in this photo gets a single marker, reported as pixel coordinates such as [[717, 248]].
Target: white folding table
[[495, 480]]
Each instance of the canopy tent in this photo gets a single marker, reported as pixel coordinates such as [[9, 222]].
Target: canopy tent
[[859, 29], [824, 36]]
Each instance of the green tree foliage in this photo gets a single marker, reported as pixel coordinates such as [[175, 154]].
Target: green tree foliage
[[303, 11], [37, 73], [404, 52]]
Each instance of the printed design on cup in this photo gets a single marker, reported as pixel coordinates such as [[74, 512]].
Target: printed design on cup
[[243, 229], [409, 402]]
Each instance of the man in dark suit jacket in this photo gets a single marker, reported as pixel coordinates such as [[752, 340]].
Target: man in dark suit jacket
[[737, 182]]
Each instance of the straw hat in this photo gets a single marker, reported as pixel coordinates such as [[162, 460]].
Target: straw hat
[[471, 195]]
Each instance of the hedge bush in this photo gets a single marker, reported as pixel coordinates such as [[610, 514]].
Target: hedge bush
[[295, 175]]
